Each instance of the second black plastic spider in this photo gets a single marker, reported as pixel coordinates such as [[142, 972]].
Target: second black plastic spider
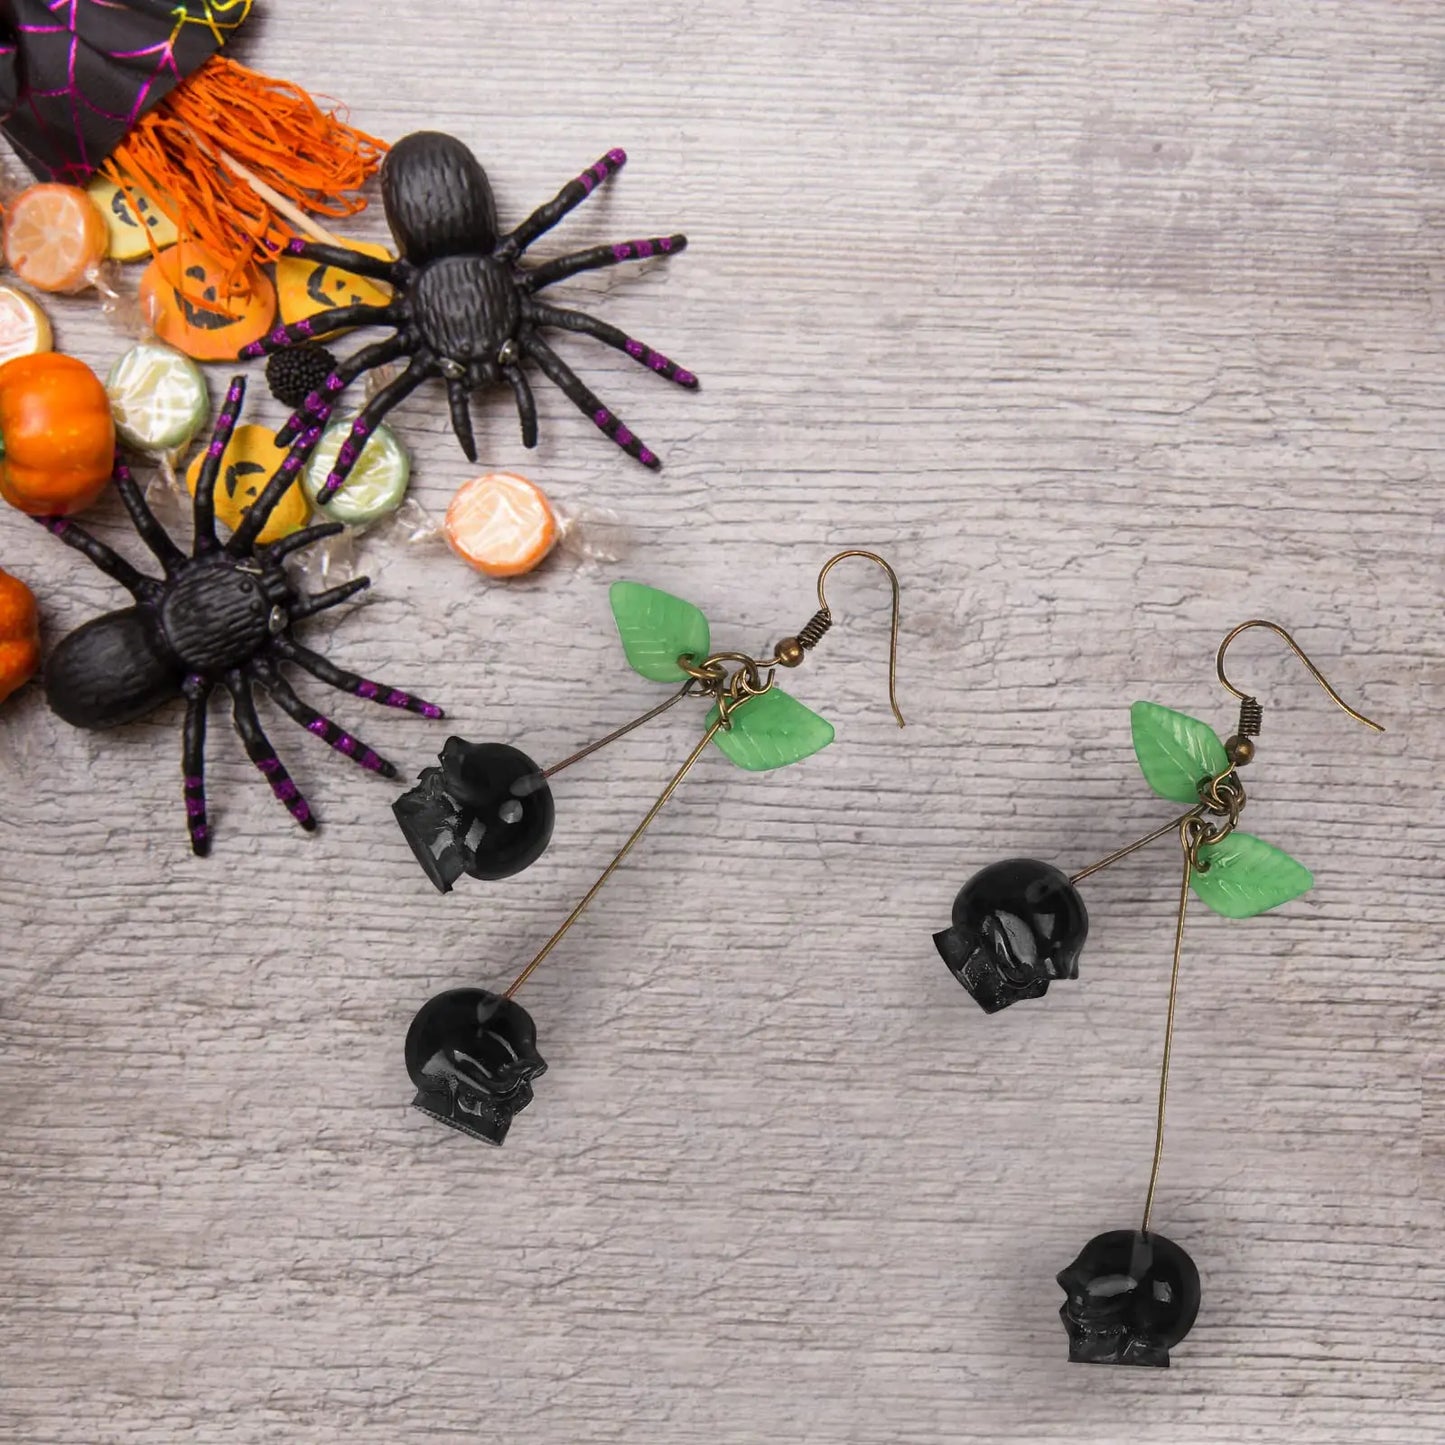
[[463, 306], [222, 616]]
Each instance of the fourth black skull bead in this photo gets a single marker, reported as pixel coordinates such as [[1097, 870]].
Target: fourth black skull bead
[[1017, 926]]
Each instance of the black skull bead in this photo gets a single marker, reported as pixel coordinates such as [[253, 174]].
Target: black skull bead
[[472, 1056], [487, 811], [1130, 1298], [1017, 926]]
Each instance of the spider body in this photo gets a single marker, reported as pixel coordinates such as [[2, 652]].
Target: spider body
[[465, 307], [220, 617]]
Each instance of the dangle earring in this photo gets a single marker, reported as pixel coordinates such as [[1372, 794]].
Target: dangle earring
[[1132, 1295], [487, 812]]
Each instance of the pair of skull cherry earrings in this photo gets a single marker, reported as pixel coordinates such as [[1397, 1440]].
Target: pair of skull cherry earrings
[[1132, 1295], [487, 811]]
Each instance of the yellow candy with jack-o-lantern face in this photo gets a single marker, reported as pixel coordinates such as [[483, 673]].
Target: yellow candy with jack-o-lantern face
[[307, 288], [250, 460]]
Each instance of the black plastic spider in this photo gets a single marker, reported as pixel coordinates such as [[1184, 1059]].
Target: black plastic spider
[[222, 617], [463, 305]]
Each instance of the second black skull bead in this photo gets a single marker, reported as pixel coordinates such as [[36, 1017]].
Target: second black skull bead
[[1017, 926], [487, 811]]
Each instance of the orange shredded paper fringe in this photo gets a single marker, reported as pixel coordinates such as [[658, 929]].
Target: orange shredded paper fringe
[[309, 156]]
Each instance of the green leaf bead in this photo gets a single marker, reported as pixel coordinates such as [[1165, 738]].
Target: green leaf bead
[[1245, 875], [656, 629], [771, 730], [1176, 752]]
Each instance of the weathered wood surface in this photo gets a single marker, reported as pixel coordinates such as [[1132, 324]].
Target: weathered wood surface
[[1112, 324]]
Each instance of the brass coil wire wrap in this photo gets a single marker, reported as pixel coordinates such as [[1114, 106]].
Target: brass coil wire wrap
[[1251, 718], [812, 632]]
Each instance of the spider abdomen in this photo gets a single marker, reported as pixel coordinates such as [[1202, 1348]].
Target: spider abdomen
[[110, 671], [465, 307], [217, 615]]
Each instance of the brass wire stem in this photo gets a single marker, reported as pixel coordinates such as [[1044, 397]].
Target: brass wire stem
[[621, 732], [1171, 826], [1186, 845], [621, 853]]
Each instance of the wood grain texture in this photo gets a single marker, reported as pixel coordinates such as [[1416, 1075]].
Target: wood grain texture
[[1112, 324]]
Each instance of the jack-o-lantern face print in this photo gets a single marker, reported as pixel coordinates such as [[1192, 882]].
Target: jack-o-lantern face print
[[193, 307], [307, 288], [250, 460], [127, 224]]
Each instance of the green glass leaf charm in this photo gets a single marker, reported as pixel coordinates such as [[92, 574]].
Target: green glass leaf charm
[[1176, 752], [771, 731], [1246, 876], [656, 628]]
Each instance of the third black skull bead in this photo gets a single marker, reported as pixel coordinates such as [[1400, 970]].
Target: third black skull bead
[[1017, 926], [487, 811]]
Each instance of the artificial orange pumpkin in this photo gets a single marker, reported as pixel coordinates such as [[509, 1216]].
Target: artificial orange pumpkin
[[57, 439], [19, 634], [193, 306]]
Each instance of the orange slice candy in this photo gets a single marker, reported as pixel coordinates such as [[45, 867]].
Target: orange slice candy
[[501, 524], [54, 237]]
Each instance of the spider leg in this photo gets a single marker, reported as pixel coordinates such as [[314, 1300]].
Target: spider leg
[[342, 258], [323, 727], [567, 199], [562, 375], [149, 529], [318, 406], [644, 355], [203, 508], [258, 747], [332, 597], [595, 258], [193, 763], [334, 318], [344, 681], [461, 409], [116, 567], [298, 541], [243, 539], [422, 367], [526, 403]]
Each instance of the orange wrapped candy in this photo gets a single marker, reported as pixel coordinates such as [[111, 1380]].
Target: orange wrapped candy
[[501, 524]]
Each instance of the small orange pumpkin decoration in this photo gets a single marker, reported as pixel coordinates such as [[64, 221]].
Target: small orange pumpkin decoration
[[19, 634], [57, 438], [195, 307]]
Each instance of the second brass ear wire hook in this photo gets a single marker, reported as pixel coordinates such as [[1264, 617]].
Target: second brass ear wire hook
[[487, 811], [1132, 1295]]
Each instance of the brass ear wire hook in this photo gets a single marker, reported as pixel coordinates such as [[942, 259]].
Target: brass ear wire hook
[[791, 650], [1251, 713]]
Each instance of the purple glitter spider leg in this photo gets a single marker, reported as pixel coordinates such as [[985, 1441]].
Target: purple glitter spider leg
[[318, 406], [171, 558], [322, 726], [567, 199], [243, 539], [596, 258], [342, 258], [193, 763], [526, 403], [334, 318], [395, 392], [343, 681], [260, 751], [332, 597], [640, 352], [572, 387], [203, 508], [141, 587]]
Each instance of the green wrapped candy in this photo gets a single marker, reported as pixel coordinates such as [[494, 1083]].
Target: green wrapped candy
[[375, 486], [157, 397]]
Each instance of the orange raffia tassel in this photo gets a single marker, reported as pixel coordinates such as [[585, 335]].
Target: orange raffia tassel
[[179, 157]]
